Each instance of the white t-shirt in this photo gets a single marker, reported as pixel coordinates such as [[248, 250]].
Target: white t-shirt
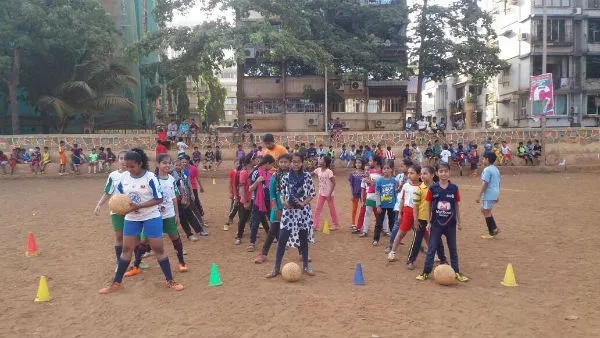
[[170, 192], [506, 150], [445, 155], [399, 179], [181, 147], [140, 190], [373, 176], [422, 124], [112, 182], [408, 190]]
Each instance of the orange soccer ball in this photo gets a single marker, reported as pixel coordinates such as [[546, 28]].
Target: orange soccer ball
[[119, 204], [291, 272], [443, 274]]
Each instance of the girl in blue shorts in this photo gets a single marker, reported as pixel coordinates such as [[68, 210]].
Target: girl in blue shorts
[[143, 189]]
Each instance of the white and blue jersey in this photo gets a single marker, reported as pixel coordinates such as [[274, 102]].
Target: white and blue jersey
[[110, 188], [141, 190], [170, 192]]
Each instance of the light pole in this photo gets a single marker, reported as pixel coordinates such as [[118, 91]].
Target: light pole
[[326, 92]]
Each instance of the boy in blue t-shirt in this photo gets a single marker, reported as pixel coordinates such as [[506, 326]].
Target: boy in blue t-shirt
[[385, 189], [490, 190]]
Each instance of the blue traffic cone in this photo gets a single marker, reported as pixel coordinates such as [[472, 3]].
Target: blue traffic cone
[[358, 275]]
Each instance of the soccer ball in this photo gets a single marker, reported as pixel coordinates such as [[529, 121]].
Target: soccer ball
[[291, 272], [443, 274], [119, 204]]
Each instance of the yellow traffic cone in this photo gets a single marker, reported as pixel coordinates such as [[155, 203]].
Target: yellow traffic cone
[[326, 228], [509, 277], [214, 181], [43, 295]]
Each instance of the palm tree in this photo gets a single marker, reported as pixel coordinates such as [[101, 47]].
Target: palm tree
[[94, 88]]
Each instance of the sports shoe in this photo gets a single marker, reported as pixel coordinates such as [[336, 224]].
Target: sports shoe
[[487, 236], [375, 243], [308, 271], [238, 241], [423, 276], [144, 266], [496, 231], [387, 234], [353, 227], [461, 278], [260, 226], [392, 256], [193, 238], [260, 258], [174, 285], [226, 227], [410, 266], [436, 258], [133, 271], [183, 268], [203, 233], [388, 248], [356, 231], [114, 286], [363, 234], [147, 254], [250, 247]]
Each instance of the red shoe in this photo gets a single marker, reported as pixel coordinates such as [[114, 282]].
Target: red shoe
[[133, 271], [114, 286], [174, 285]]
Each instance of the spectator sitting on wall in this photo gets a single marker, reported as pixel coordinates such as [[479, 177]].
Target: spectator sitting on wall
[[247, 130]]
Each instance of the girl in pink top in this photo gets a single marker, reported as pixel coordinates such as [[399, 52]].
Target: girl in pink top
[[326, 187]]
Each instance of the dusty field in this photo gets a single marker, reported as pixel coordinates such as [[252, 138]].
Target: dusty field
[[548, 233]]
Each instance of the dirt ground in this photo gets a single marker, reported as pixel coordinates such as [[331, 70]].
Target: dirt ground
[[545, 221]]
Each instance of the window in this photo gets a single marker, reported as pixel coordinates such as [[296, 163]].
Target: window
[[560, 105], [592, 67], [594, 4], [553, 3], [505, 77], [594, 31], [263, 107], [523, 102], [460, 92], [593, 103], [558, 30], [303, 106], [412, 97]]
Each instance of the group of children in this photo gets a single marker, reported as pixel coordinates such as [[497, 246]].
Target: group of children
[[97, 161], [212, 159]]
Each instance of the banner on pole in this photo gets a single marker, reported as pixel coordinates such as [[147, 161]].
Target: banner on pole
[[541, 95]]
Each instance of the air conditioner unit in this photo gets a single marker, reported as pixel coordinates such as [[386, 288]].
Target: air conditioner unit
[[378, 124], [578, 10], [250, 53], [356, 85], [313, 122], [523, 36]]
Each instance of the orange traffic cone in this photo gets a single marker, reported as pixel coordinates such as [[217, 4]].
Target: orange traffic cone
[[31, 246]]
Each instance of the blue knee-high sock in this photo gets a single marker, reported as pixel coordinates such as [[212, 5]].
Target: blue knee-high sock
[[118, 250], [123, 264], [139, 251], [179, 248], [166, 268]]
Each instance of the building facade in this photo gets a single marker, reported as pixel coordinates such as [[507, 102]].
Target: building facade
[[573, 58], [273, 98]]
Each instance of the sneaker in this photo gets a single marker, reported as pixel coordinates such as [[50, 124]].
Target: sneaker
[[375, 243], [238, 241], [226, 227], [423, 276], [193, 238], [183, 268], [353, 227], [260, 226], [114, 286], [410, 266], [260, 258], [387, 234], [334, 228], [487, 236], [392, 256], [308, 271], [203, 233], [174, 285], [272, 274], [436, 258], [250, 248], [496, 231], [144, 266], [461, 278], [147, 254], [133, 271], [356, 231], [388, 248], [363, 234]]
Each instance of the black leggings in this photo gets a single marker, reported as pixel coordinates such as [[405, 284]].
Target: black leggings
[[284, 236], [189, 217], [273, 233], [197, 203], [233, 209], [244, 216]]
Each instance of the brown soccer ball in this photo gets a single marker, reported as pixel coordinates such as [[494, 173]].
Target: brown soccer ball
[[443, 274], [119, 204], [291, 272]]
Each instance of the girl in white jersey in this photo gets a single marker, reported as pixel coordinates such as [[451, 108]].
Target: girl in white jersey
[[169, 213], [143, 190], [110, 188]]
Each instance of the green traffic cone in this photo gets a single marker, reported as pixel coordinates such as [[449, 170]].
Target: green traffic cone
[[214, 280]]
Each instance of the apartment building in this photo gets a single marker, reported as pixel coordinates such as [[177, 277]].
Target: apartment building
[[573, 58]]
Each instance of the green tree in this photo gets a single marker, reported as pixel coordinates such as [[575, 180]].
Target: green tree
[[95, 88], [41, 41], [453, 40]]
